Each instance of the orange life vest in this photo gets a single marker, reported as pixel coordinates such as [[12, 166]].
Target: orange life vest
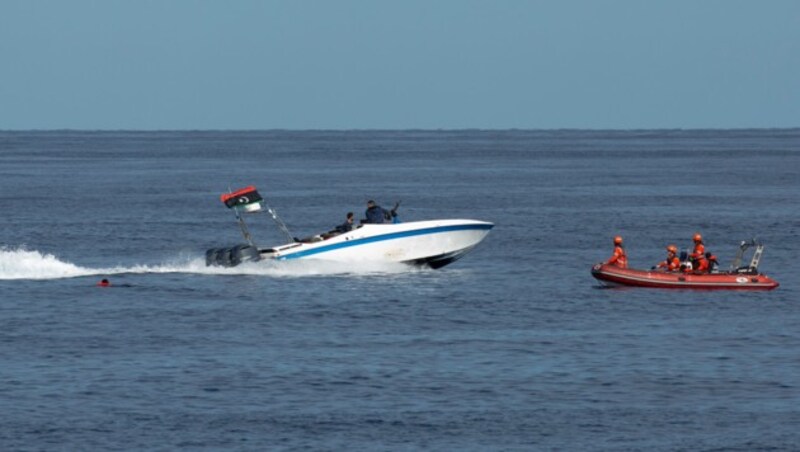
[[699, 251], [619, 258], [698, 256], [671, 264]]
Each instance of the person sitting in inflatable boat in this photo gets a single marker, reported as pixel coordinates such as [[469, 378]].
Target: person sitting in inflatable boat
[[672, 263], [619, 258], [702, 261]]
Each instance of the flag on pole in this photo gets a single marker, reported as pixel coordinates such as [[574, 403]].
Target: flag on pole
[[246, 198]]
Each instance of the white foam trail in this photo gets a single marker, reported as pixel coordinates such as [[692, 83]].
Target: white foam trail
[[21, 263]]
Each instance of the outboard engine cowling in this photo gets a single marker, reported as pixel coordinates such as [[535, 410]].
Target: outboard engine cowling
[[231, 257]]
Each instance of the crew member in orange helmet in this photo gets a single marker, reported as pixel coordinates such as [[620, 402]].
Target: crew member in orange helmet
[[619, 258], [672, 263], [698, 256]]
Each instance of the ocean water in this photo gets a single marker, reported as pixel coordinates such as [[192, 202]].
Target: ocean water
[[514, 347]]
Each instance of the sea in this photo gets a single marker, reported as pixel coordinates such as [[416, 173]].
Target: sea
[[513, 347]]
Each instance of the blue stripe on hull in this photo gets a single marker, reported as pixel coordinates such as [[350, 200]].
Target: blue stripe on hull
[[381, 238]]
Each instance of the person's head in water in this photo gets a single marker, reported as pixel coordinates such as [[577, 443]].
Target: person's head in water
[[104, 282]]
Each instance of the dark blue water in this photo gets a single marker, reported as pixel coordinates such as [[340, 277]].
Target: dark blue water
[[514, 347]]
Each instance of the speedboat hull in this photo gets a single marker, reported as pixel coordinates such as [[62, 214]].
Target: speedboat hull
[[434, 243], [614, 276]]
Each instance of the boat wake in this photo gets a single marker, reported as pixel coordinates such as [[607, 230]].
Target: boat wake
[[21, 263]]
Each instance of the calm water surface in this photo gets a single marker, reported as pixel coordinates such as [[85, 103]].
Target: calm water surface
[[514, 347]]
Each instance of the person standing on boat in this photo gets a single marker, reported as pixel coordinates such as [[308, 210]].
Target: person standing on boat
[[375, 214], [378, 215], [698, 256], [672, 263], [619, 258]]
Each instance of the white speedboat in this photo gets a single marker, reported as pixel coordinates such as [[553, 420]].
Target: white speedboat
[[432, 243]]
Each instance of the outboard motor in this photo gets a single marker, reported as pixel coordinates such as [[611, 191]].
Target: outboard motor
[[713, 264], [231, 257]]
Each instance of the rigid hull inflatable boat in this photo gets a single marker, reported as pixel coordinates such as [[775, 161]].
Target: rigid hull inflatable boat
[[737, 278], [613, 275]]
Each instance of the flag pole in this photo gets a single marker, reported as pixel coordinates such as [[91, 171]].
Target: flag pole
[[242, 224]]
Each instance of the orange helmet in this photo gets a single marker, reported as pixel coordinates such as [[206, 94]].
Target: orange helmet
[[618, 240], [698, 238], [672, 249]]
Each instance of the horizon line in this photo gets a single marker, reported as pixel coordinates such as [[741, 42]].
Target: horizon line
[[411, 129]]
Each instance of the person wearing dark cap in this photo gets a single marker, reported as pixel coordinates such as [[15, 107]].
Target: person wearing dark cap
[[376, 214]]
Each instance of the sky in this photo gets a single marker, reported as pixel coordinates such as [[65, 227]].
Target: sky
[[410, 64]]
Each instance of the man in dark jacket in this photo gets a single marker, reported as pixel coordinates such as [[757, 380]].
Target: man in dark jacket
[[378, 215]]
